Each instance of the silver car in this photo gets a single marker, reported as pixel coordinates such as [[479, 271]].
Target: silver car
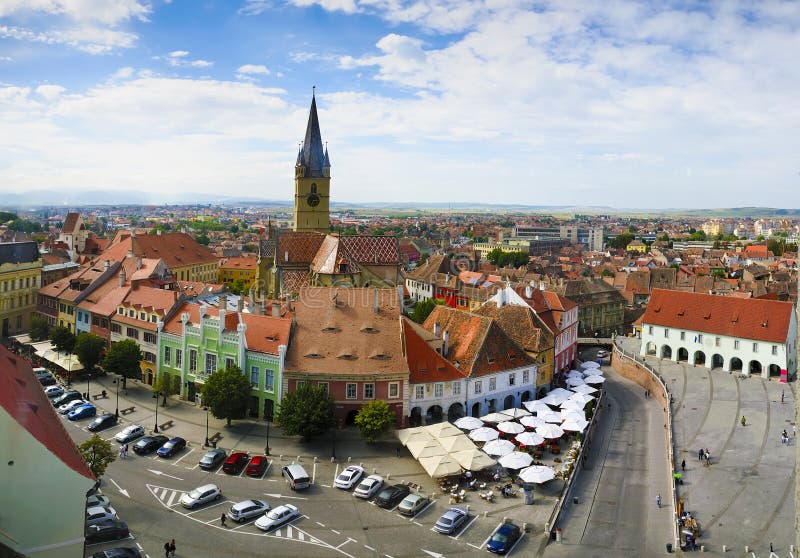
[[67, 407], [98, 514], [201, 495], [96, 500], [277, 517], [451, 520], [129, 433], [369, 487], [242, 511]]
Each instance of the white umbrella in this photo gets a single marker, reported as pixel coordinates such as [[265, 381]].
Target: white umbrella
[[570, 414], [425, 448], [574, 374], [484, 434], [516, 413], [595, 379], [589, 364], [536, 406], [551, 416], [550, 431], [408, 434], [494, 417], [498, 447], [584, 389], [560, 391], [509, 427], [532, 422], [440, 466], [582, 398], [473, 460], [468, 423], [575, 381], [537, 474], [576, 424], [593, 372], [556, 398], [457, 443], [515, 460], [572, 404], [530, 439], [443, 430]]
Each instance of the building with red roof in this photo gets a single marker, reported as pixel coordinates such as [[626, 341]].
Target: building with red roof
[[40, 464], [748, 335]]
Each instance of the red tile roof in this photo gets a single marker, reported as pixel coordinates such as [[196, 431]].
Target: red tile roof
[[239, 263], [424, 363], [176, 249], [22, 398], [70, 222], [758, 319]]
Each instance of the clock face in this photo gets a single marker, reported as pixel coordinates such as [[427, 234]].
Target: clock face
[[313, 200]]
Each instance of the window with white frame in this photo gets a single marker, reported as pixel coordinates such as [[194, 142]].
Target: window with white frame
[[167, 354], [323, 386], [526, 376], [736, 344], [192, 360], [438, 390], [254, 375], [178, 358], [492, 384], [300, 383], [774, 349], [456, 388], [512, 379], [666, 333], [716, 341], [755, 347], [683, 336], [352, 391], [229, 362], [699, 337], [394, 390], [478, 386], [419, 392], [369, 391], [211, 363], [650, 330]]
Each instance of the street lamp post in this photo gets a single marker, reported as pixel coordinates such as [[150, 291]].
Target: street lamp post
[[333, 442], [266, 448], [207, 444], [116, 385], [88, 378], [155, 426]]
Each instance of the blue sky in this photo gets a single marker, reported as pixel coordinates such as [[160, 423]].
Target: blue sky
[[622, 104]]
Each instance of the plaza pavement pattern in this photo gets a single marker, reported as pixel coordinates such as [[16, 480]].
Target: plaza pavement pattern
[[746, 496]]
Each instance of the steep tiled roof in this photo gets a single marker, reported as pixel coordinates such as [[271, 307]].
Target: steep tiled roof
[[22, 398], [19, 252], [294, 280], [69, 223], [297, 247], [337, 332], [424, 363], [437, 263], [519, 322], [265, 333], [333, 258], [375, 250], [758, 319], [176, 249]]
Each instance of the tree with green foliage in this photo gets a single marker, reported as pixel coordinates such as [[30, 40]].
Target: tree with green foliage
[[306, 412], [89, 348], [97, 454], [226, 392], [698, 236], [63, 339], [237, 287], [373, 419], [167, 384], [621, 240], [203, 239], [663, 238], [123, 358], [423, 308], [40, 329], [718, 273], [607, 273]]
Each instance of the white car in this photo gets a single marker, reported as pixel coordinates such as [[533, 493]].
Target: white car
[[369, 487], [201, 495], [129, 433], [67, 407], [98, 514], [277, 517], [242, 511], [53, 391], [96, 500], [349, 477]]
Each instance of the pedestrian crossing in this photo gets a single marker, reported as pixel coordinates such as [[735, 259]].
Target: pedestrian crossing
[[167, 496]]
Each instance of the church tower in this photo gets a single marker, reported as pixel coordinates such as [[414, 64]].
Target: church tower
[[312, 180]]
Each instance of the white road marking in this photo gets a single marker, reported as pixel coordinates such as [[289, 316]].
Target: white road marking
[[320, 524], [369, 548], [314, 473], [139, 546], [420, 512], [418, 523], [171, 498], [336, 474], [272, 480], [464, 529], [208, 507], [510, 550], [347, 541], [335, 531], [182, 456], [325, 485]]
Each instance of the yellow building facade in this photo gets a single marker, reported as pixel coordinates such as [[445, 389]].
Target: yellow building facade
[[20, 279], [312, 180]]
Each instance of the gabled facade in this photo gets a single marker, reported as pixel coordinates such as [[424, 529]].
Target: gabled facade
[[73, 232], [420, 282], [20, 279]]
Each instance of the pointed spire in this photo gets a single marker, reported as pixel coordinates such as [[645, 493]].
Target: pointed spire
[[312, 154], [299, 162], [326, 162]]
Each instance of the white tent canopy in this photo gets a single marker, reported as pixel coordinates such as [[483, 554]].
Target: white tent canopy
[[440, 466], [585, 389], [595, 379], [67, 361], [468, 423], [408, 434], [575, 424], [456, 443], [537, 474], [575, 381], [532, 422], [473, 460], [536, 406], [530, 439], [484, 434], [443, 430], [498, 447], [516, 413], [572, 414], [515, 460], [551, 416], [509, 427], [550, 431], [426, 448], [442, 449], [495, 417]]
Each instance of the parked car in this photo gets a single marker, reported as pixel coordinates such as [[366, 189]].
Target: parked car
[[53, 391], [106, 420], [118, 552], [82, 411], [451, 520], [212, 459], [108, 530], [277, 517], [296, 477], [149, 444], [98, 514], [67, 407], [602, 353], [47, 380], [503, 538], [235, 463], [201, 495], [129, 433], [248, 509], [348, 478], [412, 504], [257, 466], [171, 447], [389, 497], [96, 500], [69, 395], [369, 487]]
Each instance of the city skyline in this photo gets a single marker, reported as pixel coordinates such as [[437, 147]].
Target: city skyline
[[540, 104]]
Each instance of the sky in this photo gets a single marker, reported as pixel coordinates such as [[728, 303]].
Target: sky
[[621, 104]]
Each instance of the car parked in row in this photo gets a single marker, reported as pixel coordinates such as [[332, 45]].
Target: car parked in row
[[235, 463], [201, 495], [212, 459], [82, 411], [108, 530], [67, 407], [451, 520], [171, 447], [118, 552], [66, 397], [503, 538], [391, 496], [129, 433], [412, 504], [149, 444], [348, 478], [53, 391], [368, 487], [96, 500], [277, 517], [257, 466], [98, 514], [248, 509], [106, 420]]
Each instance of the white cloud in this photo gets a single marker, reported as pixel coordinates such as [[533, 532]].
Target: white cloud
[[6, 59], [253, 69], [123, 73], [178, 59], [50, 92], [178, 54], [108, 12], [93, 40]]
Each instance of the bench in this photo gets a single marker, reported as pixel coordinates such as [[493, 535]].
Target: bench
[[127, 411], [165, 425], [215, 438], [102, 395]]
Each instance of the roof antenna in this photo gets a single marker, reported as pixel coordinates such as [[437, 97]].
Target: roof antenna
[[313, 90]]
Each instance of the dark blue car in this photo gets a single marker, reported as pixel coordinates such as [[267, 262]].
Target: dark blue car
[[503, 538], [172, 447], [82, 412]]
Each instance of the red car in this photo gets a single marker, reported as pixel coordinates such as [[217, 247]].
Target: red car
[[235, 463], [257, 466]]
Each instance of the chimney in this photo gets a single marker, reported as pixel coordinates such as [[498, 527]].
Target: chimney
[[240, 304], [528, 291], [223, 302], [106, 264], [139, 263], [202, 311], [158, 232], [541, 286], [276, 309], [445, 340], [375, 303], [437, 330], [122, 277]]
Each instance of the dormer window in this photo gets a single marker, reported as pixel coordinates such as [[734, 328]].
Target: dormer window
[[313, 354], [131, 313], [329, 329], [368, 329]]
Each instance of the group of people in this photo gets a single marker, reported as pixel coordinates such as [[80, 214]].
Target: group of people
[[704, 455], [123, 451], [785, 437], [169, 548]]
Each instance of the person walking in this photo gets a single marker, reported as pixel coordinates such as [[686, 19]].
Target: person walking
[[222, 519], [166, 549], [783, 393], [683, 465], [744, 421], [794, 430], [172, 548], [700, 454], [125, 452], [658, 500]]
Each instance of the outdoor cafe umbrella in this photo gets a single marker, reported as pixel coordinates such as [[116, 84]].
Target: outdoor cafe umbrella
[[509, 427], [515, 460], [556, 397], [423, 448], [536, 406], [537, 474], [484, 434], [532, 422], [516, 413], [443, 430], [582, 398], [569, 414], [574, 374], [575, 381], [457, 443], [550, 431], [551, 416], [498, 447], [572, 404], [529, 439], [440, 466], [595, 379], [575, 424], [494, 417], [468, 423], [589, 364], [473, 460], [408, 434], [584, 389]]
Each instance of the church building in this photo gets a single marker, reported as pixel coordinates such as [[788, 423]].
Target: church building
[[312, 180]]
